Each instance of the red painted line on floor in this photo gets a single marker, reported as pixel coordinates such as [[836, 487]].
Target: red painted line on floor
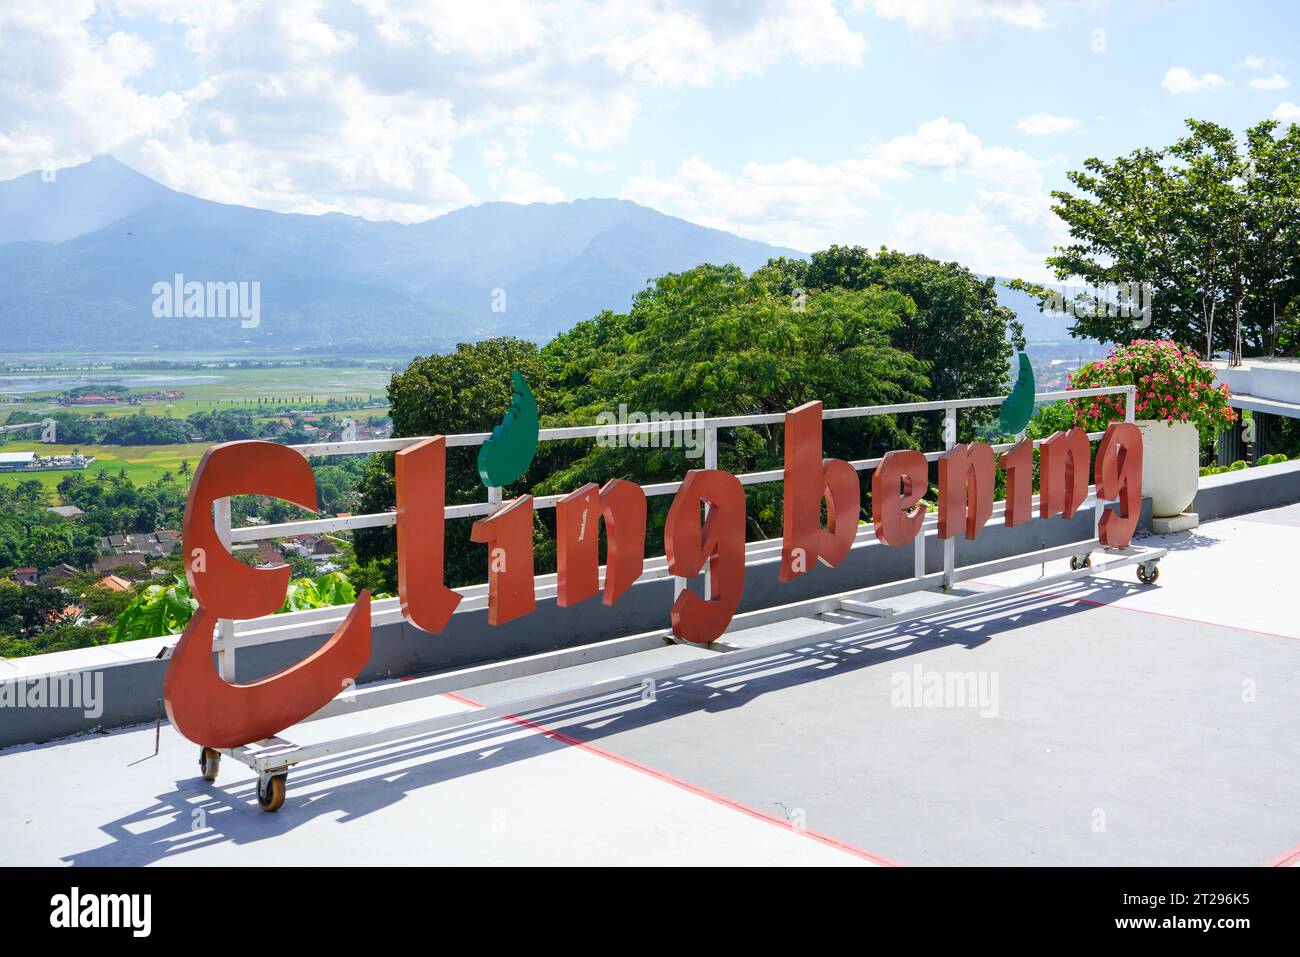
[[1141, 611], [684, 785], [1286, 859]]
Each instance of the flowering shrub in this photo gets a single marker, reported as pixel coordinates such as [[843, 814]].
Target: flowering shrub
[[1172, 384]]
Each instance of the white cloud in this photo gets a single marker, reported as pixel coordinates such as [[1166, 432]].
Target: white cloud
[[514, 185], [1006, 229], [303, 105], [1179, 79], [1287, 113], [1253, 61], [1275, 82], [66, 93], [944, 20], [1043, 124]]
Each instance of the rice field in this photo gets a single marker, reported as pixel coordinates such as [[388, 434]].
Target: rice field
[[142, 463]]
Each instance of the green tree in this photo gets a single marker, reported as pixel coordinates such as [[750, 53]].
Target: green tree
[[958, 328], [464, 391], [1209, 223]]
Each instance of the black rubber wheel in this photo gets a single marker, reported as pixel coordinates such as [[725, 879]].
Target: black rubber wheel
[[209, 763], [1148, 578], [271, 798], [1075, 564]]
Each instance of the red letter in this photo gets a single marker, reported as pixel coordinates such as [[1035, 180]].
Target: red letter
[[1062, 473], [201, 706], [509, 537], [809, 479], [426, 602], [577, 547], [1018, 463], [720, 542], [909, 471], [1119, 475], [965, 489]]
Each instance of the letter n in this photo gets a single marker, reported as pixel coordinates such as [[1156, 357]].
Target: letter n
[[1119, 476], [1062, 473], [508, 534], [689, 542], [622, 505], [808, 480], [966, 474], [427, 603], [1018, 463]]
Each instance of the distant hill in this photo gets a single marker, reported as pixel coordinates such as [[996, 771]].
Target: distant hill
[[1047, 334], [79, 257]]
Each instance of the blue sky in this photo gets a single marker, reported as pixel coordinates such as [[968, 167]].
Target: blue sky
[[939, 126]]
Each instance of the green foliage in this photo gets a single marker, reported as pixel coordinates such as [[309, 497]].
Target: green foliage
[[1049, 419], [850, 328], [166, 609], [27, 610], [1275, 458], [462, 391], [957, 327], [1211, 226], [31, 535], [322, 591], [158, 610]]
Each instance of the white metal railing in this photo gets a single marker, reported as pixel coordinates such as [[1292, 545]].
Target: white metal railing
[[231, 635], [708, 426]]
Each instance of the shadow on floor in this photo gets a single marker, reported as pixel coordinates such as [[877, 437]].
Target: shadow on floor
[[196, 814]]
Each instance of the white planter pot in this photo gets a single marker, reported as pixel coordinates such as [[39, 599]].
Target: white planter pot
[[1170, 465]]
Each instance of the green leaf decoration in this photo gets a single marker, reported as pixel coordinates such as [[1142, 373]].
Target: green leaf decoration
[[507, 454], [1019, 405]]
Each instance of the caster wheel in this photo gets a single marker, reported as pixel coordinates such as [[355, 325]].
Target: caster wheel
[[209, 763], [1075, 564], [1148, 577], [271, 797]]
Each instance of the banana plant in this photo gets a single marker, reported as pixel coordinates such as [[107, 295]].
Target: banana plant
[[319, 592], [167, 609], [158, 610]]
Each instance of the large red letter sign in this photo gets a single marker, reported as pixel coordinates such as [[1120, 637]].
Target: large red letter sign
[[898, 483], [426, 601], [1063, 473], [1018, 463], [508, 534], [720, 542], [809, 479], [966, 475], [577, 546], [202, 706], [1119, 475]]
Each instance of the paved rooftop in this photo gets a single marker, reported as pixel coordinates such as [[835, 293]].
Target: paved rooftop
[[1133, 725]]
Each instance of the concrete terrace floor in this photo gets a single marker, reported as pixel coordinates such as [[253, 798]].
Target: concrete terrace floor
[[1133, 725]]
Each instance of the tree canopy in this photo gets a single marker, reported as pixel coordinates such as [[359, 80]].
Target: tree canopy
[[849, 328], [1211, 223]]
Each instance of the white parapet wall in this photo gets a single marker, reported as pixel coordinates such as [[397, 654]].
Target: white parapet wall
[[1263, 385]]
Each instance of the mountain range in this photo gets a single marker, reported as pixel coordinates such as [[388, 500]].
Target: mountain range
[[83, 251]]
